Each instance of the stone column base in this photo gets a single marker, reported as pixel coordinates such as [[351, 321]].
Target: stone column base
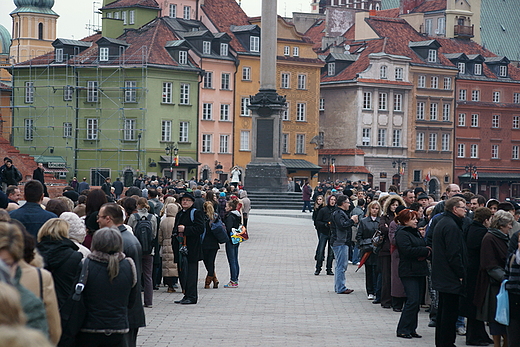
[[268, 177]]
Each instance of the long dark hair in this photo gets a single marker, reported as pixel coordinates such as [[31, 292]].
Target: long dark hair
[[95, 199]]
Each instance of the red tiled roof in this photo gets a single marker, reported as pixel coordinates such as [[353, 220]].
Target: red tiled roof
[[391, 13], [346, 169], [315, 33], [5, 86], [342, 151], [303, 60], [430, 5], [132, 3]]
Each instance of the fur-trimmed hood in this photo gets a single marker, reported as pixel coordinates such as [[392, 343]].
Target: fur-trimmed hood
[[389, 201]]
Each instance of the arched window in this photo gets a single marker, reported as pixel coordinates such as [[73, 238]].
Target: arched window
[[382, 71], [40, 31]]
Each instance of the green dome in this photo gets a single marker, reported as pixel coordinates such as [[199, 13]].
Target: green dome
[[5, 40], [34, 6]]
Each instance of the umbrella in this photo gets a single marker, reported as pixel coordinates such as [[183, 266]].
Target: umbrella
[[363, 260], [183, 262]]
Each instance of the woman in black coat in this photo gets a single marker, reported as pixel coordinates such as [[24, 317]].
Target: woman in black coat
[[322, 225], [210, 246], [366, 229], [233, 220], [413, 270]]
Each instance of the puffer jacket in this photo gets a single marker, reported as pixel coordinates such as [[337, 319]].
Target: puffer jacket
[[169, 267]]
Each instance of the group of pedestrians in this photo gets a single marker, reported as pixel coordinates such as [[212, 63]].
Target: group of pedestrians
[[449, 256]]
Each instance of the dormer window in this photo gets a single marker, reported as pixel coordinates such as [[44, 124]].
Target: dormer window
[[478, 69], [383, 72], [503, 71], [462, 68], [131, 20], [224, 48], [109, 15], [254, 44], [206, 47], [183, 57], [59, 55], [103, 54], [296, 51], [399, 73], [116, 15], [123, 17], [331, 69], [186, 13], [432, 56]]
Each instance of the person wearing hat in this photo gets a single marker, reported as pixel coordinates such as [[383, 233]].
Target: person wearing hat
[[189, 226], [424, 200]]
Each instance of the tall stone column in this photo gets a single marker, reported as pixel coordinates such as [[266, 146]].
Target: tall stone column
[[266, 172]]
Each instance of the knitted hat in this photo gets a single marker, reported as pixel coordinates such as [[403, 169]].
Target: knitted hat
[[77, 230], [222, 194]]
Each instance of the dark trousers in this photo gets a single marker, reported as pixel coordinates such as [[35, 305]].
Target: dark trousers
[[513, 330], [307, 204], [386, 281], [209, 256], [147, 267], [371, 278], [447, 314], [99, 340], [245, 218], [130, 338], [476, 331], [413, 286], [190, 286], [324, 241]]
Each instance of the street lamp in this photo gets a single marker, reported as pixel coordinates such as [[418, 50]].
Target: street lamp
[[400, 164], [331, 163], [473, 174], [172, 150]]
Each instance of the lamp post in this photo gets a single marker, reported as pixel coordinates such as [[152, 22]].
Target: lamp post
[[172, 150], [330, 161], [400, 164], [473, 174]]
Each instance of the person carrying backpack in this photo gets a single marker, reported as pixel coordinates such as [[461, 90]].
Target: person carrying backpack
[[144, 226]]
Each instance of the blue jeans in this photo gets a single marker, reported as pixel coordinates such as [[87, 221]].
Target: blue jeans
[[308, 205], [232, 257], [341, 256]]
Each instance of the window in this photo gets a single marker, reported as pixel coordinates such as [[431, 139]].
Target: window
[[446, 110], [296, 51], [478, 69], [130, 91], [462, 120], [103, 53], [432, 56], [445, 142], [28, 129], [59, 55], [398, 73], [208, 79], [206, 143], [123, 17], [441, 26], [494, 151], [432, 142], [421, 81], [129, 130], [224, 144], [285, 143], [285, 113], [185, 94], [474, 120], [225, 82], [473, 151], [381, 137], [461, 150], [301, 115], [116, 15], [92, 128], [29, 92], [428, 26], [367, 100], [183, 57], [244, 140], [92, 91], [109, 14], [246, 73], [502, 71], [417, 175], [300, 144], [167, 93], [67, 93], [447, 83], [365, 140], [131, 20], [166, 131], [186, 13], [206, 47], [382, 101], [516, 122], [331, 69], [254, 44], [285, 82], [475, 95], [433, 111], [516, 98], [434, 82], [514, 153], [419, 142], [462, 94], [396, 140], [244, 111], [495, 121], [286, 50], [224, 112], [322, 104], [207, 111], [398, 102], [462, 68], [302, 81], [420, 110], [67, 129], [173, 10], [224, 49], [496, 96], [184, 131], [383, 72]]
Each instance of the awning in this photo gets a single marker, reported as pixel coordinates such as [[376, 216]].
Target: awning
[[494, 175], [52, 164], [300, 164], [183, 161], [346, 169], [47, 169]]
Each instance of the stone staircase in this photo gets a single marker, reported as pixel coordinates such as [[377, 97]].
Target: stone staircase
[[275, 200]]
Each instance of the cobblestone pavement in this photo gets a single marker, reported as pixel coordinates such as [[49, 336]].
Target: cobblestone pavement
[[280, 302]]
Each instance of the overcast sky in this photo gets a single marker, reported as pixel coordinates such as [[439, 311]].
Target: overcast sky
[[76, 15]]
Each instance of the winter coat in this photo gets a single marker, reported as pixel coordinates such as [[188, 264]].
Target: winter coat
[[323, 219], [222, 211], [385, 221], [246, 202], [341, 228], [366, 229], [412, 252], [449, 257], [11, 176], [169, 267], [210, 241], [32, 216], [306, 193], [192, 231], [233, 220], [61, 259], [39, 175]]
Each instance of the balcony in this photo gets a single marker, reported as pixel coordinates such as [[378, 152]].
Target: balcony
[[463, 31]]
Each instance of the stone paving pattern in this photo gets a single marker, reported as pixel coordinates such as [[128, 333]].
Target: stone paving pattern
[[279, 302]]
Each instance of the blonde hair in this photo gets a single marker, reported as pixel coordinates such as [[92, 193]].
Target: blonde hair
[[11, 312], [11, 239], [143, 203], [55, 228], [68, 202], [22, 337], [210, 211], [373, 203]]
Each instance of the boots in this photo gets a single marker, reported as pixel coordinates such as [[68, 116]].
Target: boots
[[215, 281], [207, 282]]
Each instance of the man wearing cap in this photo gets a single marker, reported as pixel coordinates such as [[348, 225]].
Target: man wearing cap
[[424, 200], [189, 226]]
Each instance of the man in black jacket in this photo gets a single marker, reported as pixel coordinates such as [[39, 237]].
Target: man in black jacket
[[322, 224], [449, 261]]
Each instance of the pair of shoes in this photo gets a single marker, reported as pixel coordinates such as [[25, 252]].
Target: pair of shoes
[[461, 331], [376, 301], [170, 290], [404, 336], [350, 261], [330, 273], [417, 336], [215, 281], [149, 306], [477, 343], [348, 291], [207, 282], [398, 310], [371, 297], [185, 301], [386, 306], [317, 272], [231, 284], [432, 323]]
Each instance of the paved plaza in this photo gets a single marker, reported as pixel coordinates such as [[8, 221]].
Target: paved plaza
[[280, 302]]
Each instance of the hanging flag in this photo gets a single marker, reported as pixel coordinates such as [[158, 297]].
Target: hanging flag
[[177, 160], [333, 168], [474, 175], [401, 171], [428, 177]]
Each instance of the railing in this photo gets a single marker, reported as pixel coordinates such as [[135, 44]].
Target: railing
[[463, 30]]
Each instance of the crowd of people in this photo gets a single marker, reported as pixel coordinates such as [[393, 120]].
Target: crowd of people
[[449, 256], [117, 246]]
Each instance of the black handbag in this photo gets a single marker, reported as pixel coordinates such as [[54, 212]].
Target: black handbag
[[73, 311]]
